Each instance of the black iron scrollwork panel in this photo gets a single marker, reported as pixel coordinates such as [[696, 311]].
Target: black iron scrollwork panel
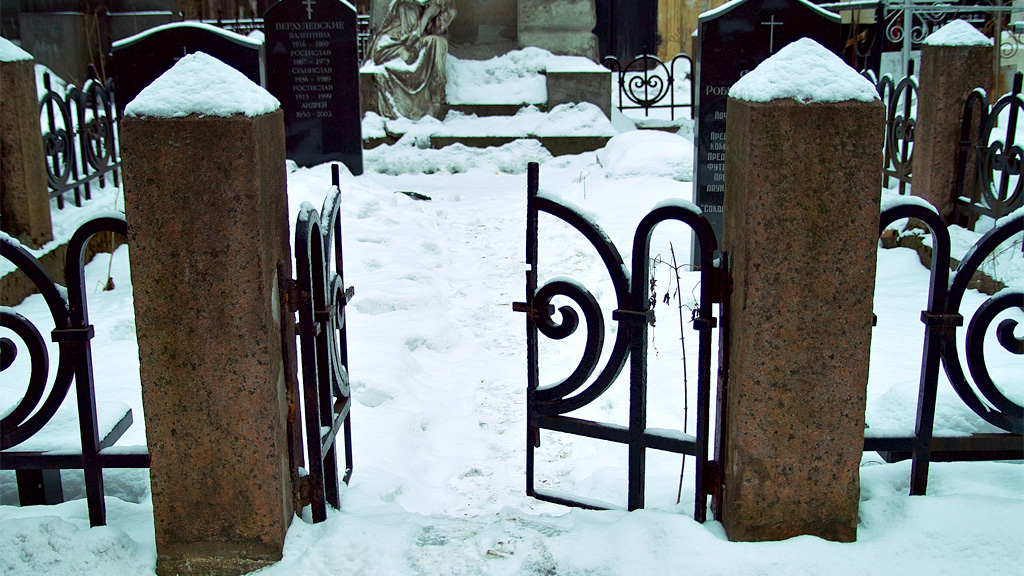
[[943, 321], [548, 404], [320, 299], [990, 161], [900, 99], [43, 396], [646, 82], [79, 137]]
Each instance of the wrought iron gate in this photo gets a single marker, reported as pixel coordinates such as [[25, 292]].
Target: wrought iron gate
[[319, 296], [38, 470], [942, 318], [547, 405]]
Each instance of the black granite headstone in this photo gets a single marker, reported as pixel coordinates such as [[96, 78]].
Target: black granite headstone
[[731, 41], [313, 69], [140, 59]]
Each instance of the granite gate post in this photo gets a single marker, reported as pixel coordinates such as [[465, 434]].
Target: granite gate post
[[803, 154], [955, 60], [25, 208], [204, 179]]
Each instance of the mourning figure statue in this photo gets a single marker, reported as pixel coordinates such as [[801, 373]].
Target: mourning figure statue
[[412, 46]]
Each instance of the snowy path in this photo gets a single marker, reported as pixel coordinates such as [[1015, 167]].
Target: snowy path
[[438, 372]]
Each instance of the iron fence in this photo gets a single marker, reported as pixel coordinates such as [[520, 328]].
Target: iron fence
[[647, 83], [989, 158], [547, 405], [38, 471], [79, 137], [942, 319], [900, 99], [319, 296]]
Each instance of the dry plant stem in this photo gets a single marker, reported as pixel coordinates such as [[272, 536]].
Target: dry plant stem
[[686, 384]]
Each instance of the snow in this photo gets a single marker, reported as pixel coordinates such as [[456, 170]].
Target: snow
[[201, 84], [517, 77], [734, 3], [9, 52], [957, 33], [438, 375], [229, 35], [806, 72], [581, 119], [636, 153]]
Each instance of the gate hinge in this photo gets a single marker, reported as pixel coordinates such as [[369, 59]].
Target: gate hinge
[[291, 295], [712, 477], [722, 281]]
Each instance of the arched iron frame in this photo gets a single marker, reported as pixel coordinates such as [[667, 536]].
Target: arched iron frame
[[73, 334], [942, 319], [548, 404]]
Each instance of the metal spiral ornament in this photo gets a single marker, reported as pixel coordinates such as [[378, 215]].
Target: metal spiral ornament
[[992, 405]]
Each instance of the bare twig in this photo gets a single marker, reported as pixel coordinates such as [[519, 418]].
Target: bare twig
[[686, 383]]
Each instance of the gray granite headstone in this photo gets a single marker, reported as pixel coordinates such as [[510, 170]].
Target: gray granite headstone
[[731, 41]]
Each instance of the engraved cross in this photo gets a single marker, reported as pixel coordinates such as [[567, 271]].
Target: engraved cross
[[309, 8], [771, 37]]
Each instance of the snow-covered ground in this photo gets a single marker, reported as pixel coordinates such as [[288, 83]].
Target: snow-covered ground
[[438, 374], [438, 367]]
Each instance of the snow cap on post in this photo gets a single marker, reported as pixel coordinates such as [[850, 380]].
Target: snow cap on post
[[806, 72], [201, 84], [9, 52], [958, 33]]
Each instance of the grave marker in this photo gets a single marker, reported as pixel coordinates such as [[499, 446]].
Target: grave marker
[[313, 69], [140, 59], [732, 40]]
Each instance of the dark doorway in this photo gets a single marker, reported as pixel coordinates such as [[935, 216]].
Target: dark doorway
[[627, 28]]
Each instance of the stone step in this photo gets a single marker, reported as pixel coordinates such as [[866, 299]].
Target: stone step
[[490, 109]]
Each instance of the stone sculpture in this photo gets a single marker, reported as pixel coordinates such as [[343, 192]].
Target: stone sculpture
[[412, 47]]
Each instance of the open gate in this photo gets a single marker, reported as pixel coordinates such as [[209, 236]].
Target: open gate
[[319, 296], [548, 405]]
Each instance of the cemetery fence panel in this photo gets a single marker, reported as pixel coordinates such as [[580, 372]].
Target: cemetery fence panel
[[646, 83], [900, 99], [989, 161], [319, 296], [942, 319], [79, 137], [38, 469], [548, 405]]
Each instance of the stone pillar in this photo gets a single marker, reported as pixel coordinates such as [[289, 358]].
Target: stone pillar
[[207, 217], [801, 226], [955, 60], [559, 26], [24, 196]]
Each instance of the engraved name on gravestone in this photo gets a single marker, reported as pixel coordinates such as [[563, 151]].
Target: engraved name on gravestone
[[313, 69], [142, 58], [732, 40]]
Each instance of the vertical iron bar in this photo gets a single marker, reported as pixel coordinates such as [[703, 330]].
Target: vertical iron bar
[[711, 277], [85, 392], [638, 379], [532, 353]]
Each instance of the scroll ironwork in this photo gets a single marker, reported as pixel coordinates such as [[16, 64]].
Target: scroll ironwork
[[319, 296], [942, 319], [647, 83], [79, 137], [44, 396], [548, 405], [990, 161]]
